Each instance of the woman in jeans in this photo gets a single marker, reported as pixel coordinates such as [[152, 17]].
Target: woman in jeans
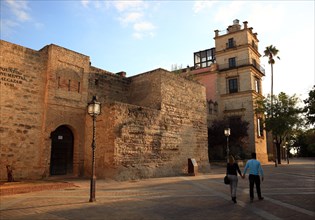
[[232, 169]]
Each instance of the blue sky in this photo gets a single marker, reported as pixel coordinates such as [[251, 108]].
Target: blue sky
[[139, 36]]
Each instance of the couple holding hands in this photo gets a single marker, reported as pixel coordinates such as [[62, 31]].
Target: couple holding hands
[[255, 171]]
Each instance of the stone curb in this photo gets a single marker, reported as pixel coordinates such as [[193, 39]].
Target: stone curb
[[27, 187]]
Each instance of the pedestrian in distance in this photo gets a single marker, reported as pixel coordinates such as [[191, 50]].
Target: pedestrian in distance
[[255, 170], [232, 169]]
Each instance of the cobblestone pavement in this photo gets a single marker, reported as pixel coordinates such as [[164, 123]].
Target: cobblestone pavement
[[289, 192]]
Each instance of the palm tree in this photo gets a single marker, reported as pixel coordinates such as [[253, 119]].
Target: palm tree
[[272, 52]]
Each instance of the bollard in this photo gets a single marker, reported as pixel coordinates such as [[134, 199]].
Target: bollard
[[192, 167]]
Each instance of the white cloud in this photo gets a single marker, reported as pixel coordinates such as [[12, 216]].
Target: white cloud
[[85, 3], [39, 25], [143, 29], [137, 35], [97, 4], [20, 9], [133, 13], [141, 35], [131, 17], [143, 26], [229, 11], [202, 5], [129, 5], [269, 23], [8, 27], [17, 14]]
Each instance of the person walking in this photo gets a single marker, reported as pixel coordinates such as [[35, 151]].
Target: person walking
[[255, 169], [232, 169]]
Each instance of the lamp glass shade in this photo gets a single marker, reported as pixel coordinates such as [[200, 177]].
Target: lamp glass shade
[[227, 132], [90, 109], [94, 107], [97, 108]]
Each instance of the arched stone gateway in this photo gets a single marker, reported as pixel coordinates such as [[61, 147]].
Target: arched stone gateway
[[61, 160]]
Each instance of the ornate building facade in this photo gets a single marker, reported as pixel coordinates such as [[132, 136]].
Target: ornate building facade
[[232, 75]]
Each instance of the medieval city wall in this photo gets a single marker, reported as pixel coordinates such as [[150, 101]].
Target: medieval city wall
[[22, 91], [145, 90], [185, 110], [134, 141], [108, 87], [150, 124]]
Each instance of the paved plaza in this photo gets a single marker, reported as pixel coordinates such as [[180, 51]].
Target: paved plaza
[[289, 192]]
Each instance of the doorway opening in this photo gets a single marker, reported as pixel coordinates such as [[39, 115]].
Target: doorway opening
[[61, 160]]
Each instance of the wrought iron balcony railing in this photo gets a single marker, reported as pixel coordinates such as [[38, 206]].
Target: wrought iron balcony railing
[[241, 63]]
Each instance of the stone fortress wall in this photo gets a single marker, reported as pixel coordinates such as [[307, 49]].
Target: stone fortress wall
[[150, 123], [22, 109]]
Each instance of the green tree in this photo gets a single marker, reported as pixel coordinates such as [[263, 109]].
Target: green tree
[[282, 118], [305, 143], [310, 107], [217, 139]]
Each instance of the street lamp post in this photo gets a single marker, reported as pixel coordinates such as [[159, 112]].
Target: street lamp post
[[287, 151], [94, 109], [227, 133], [275, 151]]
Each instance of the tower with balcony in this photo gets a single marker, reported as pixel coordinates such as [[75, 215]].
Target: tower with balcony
[[232, 75]]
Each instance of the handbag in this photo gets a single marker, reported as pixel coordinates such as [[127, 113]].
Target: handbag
[[226, 180]]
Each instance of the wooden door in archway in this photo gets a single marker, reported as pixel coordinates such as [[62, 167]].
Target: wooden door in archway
[[61, 160]]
